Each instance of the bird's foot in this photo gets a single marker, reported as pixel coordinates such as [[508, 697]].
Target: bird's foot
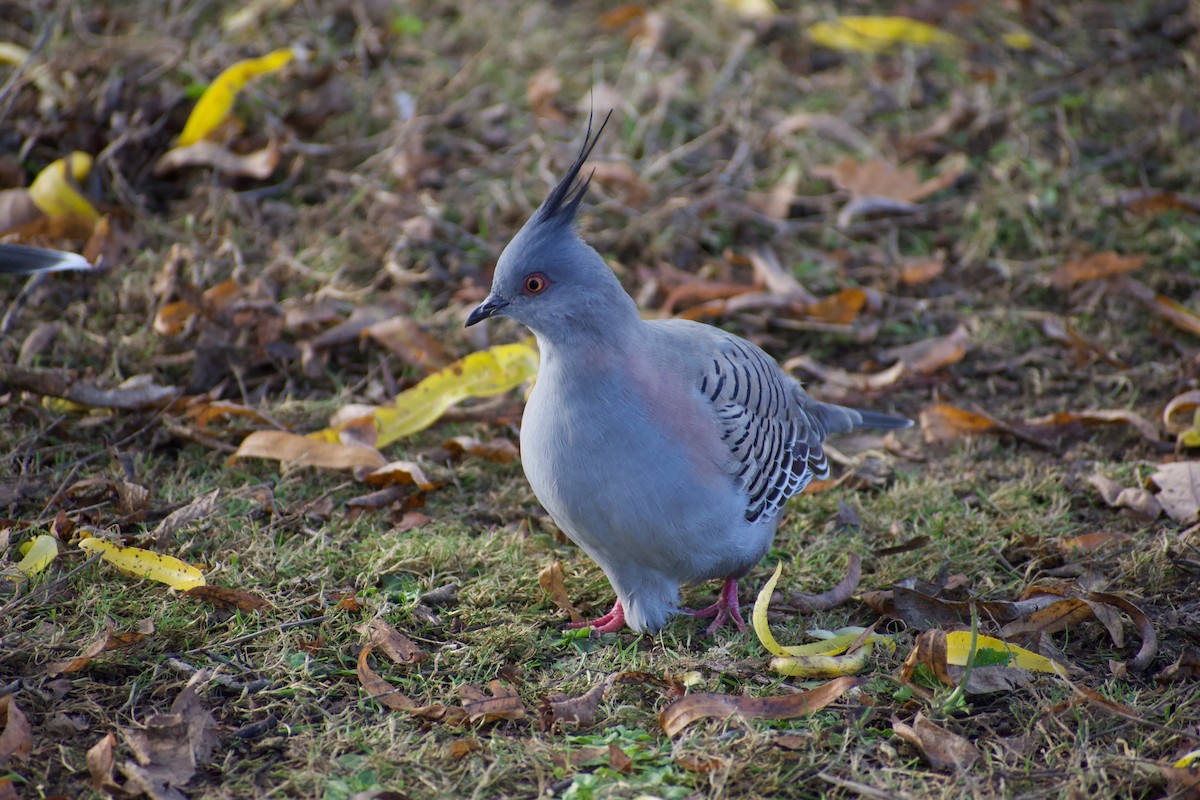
[[612, 622], [726, 608]]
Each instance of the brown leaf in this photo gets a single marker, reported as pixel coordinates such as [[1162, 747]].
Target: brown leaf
[[380, 690], [839, 309], [622, 15], [7, 790], [109, 640], [930, 355], [1157, 201], [411, 520], [878, 178], [1142, 503], [1063, 332], [618, 760], [553, 584], [404, 337], [201, 507], [134, 394], [1090, 542], [1185, 668], [258, 165], [943, 749], [170, 747], [100, 762], [222, 597], [835, 596], [349, 602], [398, 473], [1063, 421], [500, 450], [929, 651], [857, 381], [579, 711], [1149, 647], [302, 451], [698, 291], [621, 176], [541, 92], [915, 271], [1179, 490], [16, 740], [1095, 267], [698, 763], [461, 748], [943, 422], [1053, 618], [769, 272], [395, 645], [1179, 415], [694, 707], [1165, 307], [503, 703]]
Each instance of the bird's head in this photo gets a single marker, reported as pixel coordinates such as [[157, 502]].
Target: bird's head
[[548, 278]]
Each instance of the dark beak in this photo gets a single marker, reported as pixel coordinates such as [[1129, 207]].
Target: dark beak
[[488, 308]]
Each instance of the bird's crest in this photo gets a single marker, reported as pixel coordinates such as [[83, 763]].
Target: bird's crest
[[562, 204]]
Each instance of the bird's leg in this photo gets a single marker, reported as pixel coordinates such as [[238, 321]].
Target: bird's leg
[[725, 608], [611, 622]]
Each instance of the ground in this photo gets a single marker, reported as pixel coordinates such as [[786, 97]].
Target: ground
[[413, 141]]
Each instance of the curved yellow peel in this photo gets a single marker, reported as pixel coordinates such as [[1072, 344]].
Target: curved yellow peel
[[217, 101], [56, 196], [146, 564], [868, 34], [42, 550]]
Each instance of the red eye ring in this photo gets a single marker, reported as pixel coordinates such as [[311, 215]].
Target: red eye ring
[[535, 283]]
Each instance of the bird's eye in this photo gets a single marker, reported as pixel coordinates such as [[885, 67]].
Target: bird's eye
[[536, 283]]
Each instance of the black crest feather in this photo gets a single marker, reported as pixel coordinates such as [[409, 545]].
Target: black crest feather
[[563, 202]]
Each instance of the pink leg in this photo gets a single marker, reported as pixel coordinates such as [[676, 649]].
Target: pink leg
[[724, 609], [611, 622]]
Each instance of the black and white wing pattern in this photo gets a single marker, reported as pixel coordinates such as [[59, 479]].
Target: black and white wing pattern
[[775, 440]]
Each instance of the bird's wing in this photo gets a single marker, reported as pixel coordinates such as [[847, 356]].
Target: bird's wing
[[775, 443]]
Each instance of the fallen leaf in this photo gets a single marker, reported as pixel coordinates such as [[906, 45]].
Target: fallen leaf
[[872, 34], [1165, 307], [751, 9], [222, 597], [694, 707], [540, 93], [169, 748], [1179, 490], [1090, 542], [481, 374], [839, 309], [134, 394], [407, 339], [501, 451], [395, 645], [1062, 421], [216, 103], [100, 761], [411, 520], [880, 178], [399, 473], [307, 451], [916, 271], [502, 704], [1149, 648], [42, 551], [1157, 201], [930, 355], [16, 740], [1142, 503], [1181, 416], [578, 711], [258, 165], [146, 564], [461, 748], [1095, 267], [622, 15], [942, 422], [858, 381], [200, 508], [836, 596], [377, 688], [996, 652], [1185, 668], [554, 585], [109, 640], [943, 749]]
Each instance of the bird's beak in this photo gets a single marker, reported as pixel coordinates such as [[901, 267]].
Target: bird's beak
[[490, 307]]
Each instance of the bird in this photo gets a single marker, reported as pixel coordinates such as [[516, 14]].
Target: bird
[[22, 259], [665, 449]]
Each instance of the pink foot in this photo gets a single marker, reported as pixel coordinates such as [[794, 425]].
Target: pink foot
[[611, 622], [726, 608]]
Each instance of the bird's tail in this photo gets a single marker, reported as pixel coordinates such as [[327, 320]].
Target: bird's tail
[[840, 419], [20, 259]]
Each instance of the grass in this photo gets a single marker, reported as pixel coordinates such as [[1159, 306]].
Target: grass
[[1054, 140]]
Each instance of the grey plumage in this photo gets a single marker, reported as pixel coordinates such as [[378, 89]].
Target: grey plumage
[[665, 449], [20, 259]]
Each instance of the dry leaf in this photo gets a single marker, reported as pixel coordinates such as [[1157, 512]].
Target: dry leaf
[[1064, 420], [1157, 201], [541, 92], [553, 584], [1090, 542], [404, 337], [1179, 490], [502, 451], [1174, 313], [377, 688], [915, 271], [305, 451], [930, 355], [943, 749], [1095, 267], [221, 597], [258, 165], [879, 178], [100, 761], [395, 645], [836, 596], [398, 473], [109, 640], [694, 707], [170, 747], [16, 739], [1141, 502], [502, 704]]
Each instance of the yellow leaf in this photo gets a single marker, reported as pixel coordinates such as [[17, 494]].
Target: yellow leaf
[[1018, 40], [146, 564], [217, 101], [12, 54], [1188, 759], [751, 9], [303, 451], [41, 551], [877, 34], [958, 648], [56, 195], [481, 374], [759, 618]]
